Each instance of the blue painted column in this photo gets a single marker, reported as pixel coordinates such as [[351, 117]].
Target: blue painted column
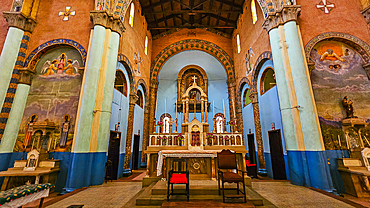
[[304, 144]]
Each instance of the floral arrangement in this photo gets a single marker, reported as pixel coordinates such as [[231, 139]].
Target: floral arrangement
[[227, 138], [180, 137], [159, 123], [231, 123], [210, 136]]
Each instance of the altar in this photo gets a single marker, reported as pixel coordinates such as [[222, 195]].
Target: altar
[[195, 142]]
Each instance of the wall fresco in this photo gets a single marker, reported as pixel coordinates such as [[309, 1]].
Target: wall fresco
[[49, 117], [338, 73]]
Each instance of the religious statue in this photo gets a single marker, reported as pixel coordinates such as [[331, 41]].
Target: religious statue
[[348, 106], [330, 55], [64, 131], [71, 67], [50, 68], [248, 57], [194, 95], [61, 63], [29, 131]]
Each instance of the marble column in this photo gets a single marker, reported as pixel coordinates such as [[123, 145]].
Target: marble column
[[130, 130], [18, 23], [302, 133], [257, 125]]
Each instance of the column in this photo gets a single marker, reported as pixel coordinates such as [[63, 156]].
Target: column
[[303, 139], [15, 117], [206, 110], [130, 129], [152, 103], [187, 111], [17, 25], [145, 132], [202, 110], [88, 154], [183, 111], [257, 125]]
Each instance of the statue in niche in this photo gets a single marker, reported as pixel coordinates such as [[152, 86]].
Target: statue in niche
[[64, 131], [348, 106], [194, 95], [195, 141], [29, 131]]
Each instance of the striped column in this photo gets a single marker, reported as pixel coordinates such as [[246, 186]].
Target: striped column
[[130, 130], [12, 88]]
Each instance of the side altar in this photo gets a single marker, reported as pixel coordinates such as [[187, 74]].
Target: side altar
[[195, 142]]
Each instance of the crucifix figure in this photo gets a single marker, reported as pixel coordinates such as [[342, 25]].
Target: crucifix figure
[[67, 13], [194, 79], [326, 6]]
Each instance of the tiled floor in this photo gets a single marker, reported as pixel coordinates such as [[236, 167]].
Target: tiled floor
[[284, 194], [103, 196]]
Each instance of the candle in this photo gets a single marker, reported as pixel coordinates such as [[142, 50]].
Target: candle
[[33, 143], [223, 104], [340, 144], [55, 143], [347, 141], [176, 109], [156, 105], [234, 107], [49, 144], [213, 108], [165, 106]]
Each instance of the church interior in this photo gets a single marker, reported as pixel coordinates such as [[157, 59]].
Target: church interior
[[125, 94]]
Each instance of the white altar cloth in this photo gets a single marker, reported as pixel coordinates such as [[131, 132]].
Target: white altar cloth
[[182, 153], [26, 199]]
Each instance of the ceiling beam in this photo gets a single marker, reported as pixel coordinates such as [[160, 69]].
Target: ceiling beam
[[162, 19], [232, 4], [194, 26], [221, 18], [196, 11], [155, 5]]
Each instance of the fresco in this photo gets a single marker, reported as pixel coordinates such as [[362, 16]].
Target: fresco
[[51, 108], [338, 73]]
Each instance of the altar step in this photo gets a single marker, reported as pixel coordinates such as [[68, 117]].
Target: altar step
[[200, 190]]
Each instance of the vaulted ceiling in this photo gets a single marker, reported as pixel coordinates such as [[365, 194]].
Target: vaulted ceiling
[[164, 15]]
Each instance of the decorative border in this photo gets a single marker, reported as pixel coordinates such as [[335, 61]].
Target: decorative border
[[360, 46], [192, 44], [267, 55], [37, 53], [145, 88], [124, 60]]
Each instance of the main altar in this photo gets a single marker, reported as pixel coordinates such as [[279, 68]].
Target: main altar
[[195, 142]]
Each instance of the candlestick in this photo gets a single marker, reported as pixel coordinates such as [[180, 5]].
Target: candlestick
[[340, 145], [55, 143], [165, 106], [223, 104], [367, 140], [213, 108], [50, 140], [156, 105], [347, 141], [195, 108], [33, 143], [233, 107], [176, 109]]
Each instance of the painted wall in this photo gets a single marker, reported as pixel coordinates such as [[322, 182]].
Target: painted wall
[[121, 102], [217, 86], [269, 113]]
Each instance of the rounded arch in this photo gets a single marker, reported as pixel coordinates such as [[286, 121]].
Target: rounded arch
[[144, 86], [267, 55], [37, 53], [242, 83], [140, 96], [126, 63], [357, 44], [200, 69], [192, 44], [120, 82], [267, 75]]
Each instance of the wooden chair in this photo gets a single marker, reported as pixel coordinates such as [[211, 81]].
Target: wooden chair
[[226, 163], [178, 175]]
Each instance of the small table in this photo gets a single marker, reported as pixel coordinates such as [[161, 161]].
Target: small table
[[22, 195], [49, 175]]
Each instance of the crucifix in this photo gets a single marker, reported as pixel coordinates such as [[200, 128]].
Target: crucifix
[[326, 6], [194, 78], [67, 13]]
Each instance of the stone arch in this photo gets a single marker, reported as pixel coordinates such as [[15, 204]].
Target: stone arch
[[357, 44], [192, 44], [242, 83], [145, 88], [42, 49], [121, 9], [200, 69], [267, 55], [126, 63]]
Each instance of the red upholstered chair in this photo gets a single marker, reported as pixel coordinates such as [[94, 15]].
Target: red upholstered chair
[[178, 175], [251, 169], [228, 172]]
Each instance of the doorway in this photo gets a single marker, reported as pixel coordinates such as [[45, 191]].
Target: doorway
[[113, 155], [277, 155], [135, 153], [252, 149]]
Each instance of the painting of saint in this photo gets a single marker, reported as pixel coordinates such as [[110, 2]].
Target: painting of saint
[[29, 130], [64, 131]]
